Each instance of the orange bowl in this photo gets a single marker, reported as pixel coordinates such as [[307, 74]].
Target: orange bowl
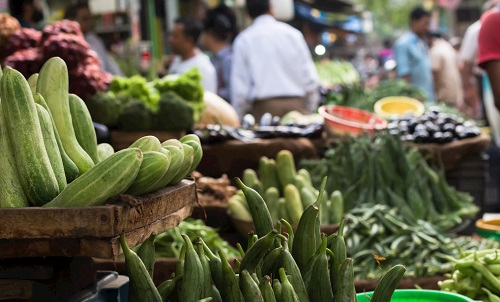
[[342, 120]]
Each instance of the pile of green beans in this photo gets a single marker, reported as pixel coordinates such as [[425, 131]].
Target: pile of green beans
[[420, 247], [475, 275]]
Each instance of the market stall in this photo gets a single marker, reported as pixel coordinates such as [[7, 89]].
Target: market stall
[[373, 196]]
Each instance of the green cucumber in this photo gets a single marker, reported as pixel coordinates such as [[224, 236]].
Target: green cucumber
[[50, 142], [108, 178], [104, 151], [147, 143], [153, 167], [32, 80], [11, 189], [84, 127], [186, 165], [26, 139], [70, 168], [53, 85], [176, 162]]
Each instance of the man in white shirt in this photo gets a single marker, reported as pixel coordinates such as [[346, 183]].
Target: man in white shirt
[[183, 40], [272, 68]]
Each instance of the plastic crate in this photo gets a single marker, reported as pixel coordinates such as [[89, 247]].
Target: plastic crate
[[470, 176], [109, 287]]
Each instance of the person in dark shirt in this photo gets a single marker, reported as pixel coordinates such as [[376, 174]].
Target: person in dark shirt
[[218, 33], [28, 12]]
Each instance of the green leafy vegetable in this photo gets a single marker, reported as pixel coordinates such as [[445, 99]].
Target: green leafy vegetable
[[169, 243]]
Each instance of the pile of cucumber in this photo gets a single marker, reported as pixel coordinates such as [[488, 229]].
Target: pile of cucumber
[[50, 152], [293, 266], [287, 192]]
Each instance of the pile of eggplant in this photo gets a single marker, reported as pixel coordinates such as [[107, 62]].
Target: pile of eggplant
[[268, 127], [273, 127], [433, 127]]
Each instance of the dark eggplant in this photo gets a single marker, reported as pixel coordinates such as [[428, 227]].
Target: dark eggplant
[[431, 127], [419, 128], [448, 127], [266, 119], [437, 138], [275, 121], [248, 121], [459, 129], [447, 137], [422, 137], [412, 124], [403, 123]]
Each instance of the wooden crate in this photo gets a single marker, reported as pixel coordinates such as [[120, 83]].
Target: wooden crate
[[93, 231], [122, 139]]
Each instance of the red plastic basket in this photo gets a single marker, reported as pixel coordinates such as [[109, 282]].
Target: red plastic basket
[[342, 120]]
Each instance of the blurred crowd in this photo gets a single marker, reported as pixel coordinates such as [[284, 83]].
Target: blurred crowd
[[450, 70]]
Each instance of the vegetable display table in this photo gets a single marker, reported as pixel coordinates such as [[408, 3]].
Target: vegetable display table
[[233, 157], [46, 252]]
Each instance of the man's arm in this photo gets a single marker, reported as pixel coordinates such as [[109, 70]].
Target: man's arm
[[403, 62], [227, 64], [240, 80], [493, 70]]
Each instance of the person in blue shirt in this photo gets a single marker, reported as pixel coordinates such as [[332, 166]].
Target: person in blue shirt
[[218, 34], [412, 56]]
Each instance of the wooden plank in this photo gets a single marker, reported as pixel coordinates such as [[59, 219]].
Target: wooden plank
[[28, 269], [15, 289], [122, 139], [124, 214], [153, 206], [98, 247], [35, 222]]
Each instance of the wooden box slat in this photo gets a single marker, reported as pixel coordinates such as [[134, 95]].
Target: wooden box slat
[[93, 231]]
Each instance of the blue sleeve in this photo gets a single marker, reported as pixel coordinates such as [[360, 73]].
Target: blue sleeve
[[402, 59], [225, 92]]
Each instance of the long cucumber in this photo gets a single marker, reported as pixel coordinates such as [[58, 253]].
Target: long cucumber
[[153, 167], [108, 178], [11, 189], [70, 168], [53, 85], [84, 128], [26, 139], [51, 145]]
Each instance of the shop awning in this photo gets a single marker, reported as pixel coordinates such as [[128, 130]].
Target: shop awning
[[332, 6], [329, 20]]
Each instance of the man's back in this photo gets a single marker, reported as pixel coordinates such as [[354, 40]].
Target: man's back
[[272, 57], [445, 65], [413, 60]]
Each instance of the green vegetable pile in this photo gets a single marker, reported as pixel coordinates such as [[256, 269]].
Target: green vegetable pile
[[475, 275], [172, 103], [357, 96], [286, 191], [294, 266], [383, 171], [333, 73], [169, 244], [378, 230]]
